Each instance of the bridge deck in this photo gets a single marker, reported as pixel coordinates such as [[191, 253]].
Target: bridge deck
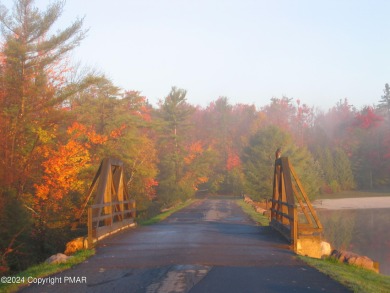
[[211, 246]]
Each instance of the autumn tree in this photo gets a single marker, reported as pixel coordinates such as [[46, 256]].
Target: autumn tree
[[95, 107], [132, 139], [219, 127], [334, 128], [280, 112], [124, 118], [224, 128], [33, 85], [243, 122], [64, 161], [32, 74], [302, 123]]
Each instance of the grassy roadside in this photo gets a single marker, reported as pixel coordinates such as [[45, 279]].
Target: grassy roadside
[[255, 216], [355, 278], [43, 270], [164, 215]]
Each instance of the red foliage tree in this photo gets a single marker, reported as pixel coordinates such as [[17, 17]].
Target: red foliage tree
[[367, 119]]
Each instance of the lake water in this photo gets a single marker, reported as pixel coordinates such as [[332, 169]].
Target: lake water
[[365, 231]]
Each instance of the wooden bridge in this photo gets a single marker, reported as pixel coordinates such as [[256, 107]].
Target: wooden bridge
[[110, 209], [210, 246]]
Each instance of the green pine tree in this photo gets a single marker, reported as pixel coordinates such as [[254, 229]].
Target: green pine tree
[[384, 102], [343, 169], [174, 113], [259, 158]]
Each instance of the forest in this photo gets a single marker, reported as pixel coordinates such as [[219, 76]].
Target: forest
[[58, 121]]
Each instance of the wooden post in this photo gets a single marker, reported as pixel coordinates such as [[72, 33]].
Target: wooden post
[[134, 213], [90, 228], [275, 192], [112, 214], [294, 230], [122, 208], [284, 208]]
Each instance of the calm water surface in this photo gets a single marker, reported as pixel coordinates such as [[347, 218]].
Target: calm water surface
[[363, 231]]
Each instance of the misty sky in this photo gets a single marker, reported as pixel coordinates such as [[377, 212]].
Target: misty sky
[[249, 51]]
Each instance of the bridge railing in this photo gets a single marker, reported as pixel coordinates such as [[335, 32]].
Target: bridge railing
[[285, 223], [107, 218], [292, 213], [111, 209]]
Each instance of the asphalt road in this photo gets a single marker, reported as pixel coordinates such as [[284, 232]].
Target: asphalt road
[[211, 246]]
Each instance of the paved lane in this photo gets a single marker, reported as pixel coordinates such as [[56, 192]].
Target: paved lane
[[211, 246]]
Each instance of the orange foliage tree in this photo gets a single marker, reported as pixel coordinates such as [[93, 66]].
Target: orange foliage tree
[[196, 170], [124, 118], [62, 167], [33, 85]]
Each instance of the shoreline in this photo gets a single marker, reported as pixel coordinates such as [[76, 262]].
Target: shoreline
[[353, 203]]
